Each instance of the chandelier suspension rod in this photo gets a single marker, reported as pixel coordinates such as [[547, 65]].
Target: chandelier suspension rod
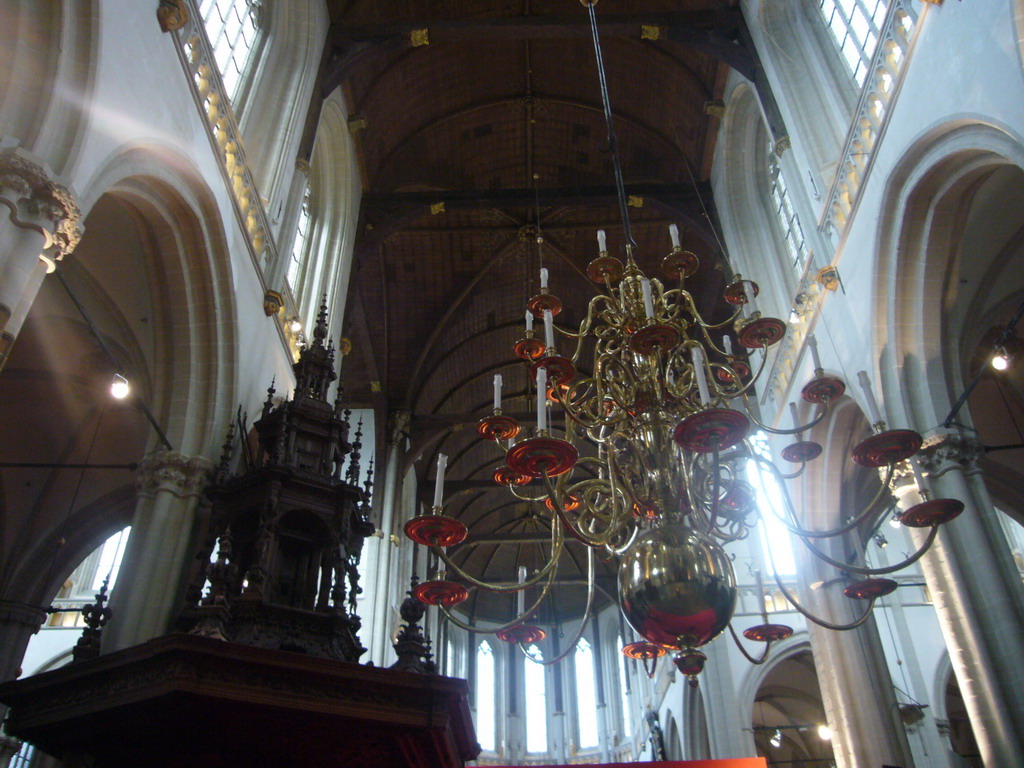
[[613, 142]]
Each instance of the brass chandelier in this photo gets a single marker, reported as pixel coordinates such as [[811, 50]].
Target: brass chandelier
[[649, 467]]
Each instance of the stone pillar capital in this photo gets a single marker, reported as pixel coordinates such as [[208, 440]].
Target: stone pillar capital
[[181, 475], [945, 451], [22, 615], [36, 201], [398, 426]]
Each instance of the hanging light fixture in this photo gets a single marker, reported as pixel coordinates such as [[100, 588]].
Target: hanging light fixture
[[650, 466], [119, 388]]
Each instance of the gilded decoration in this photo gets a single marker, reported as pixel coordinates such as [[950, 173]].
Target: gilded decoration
[[172, 15], [37, 202]]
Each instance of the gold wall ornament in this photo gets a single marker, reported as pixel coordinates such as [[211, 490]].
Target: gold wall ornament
[[172, 15], [635, 201], [828, 278], [781, 145], [357, 123], [715, 108], [273, 303], [437, 208], [651, 32], [419, 37]]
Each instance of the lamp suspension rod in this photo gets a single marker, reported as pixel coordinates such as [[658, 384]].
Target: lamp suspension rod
[[110, 355], [613, 142], [1003, 338]]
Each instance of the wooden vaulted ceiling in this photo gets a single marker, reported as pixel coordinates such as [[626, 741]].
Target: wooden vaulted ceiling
[[474, 145]]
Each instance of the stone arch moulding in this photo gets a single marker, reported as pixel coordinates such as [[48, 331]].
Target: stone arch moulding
[[193, 301], [915, 248], [756, 675]]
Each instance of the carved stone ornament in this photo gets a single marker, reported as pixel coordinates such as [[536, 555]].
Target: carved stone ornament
[[174, 472], [273, 302], [172, 15], [37, 202], [22, 615], [781, 145], [951, 450]]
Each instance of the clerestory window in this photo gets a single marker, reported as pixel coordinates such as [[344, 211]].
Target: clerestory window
[[855, 26], [535, 702], [792, 232], [485, 696], [231, 27]]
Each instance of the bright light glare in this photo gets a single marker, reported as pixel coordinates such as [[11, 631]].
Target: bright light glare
[[824, 732], [774, 535], [1001, 361], [119, 389], [776, 739], [296, 325]]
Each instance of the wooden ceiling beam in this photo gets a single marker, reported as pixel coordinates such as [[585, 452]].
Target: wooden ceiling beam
[[713, 31]]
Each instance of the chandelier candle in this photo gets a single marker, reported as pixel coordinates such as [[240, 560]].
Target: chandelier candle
[[543, 278], [698, 369], [529, 321], [812, 343], [673, 232], [602, 241], [542, 412], [549, 330], [869, 397], [645, 286], [497, 391], [727, 344], [442, 462], [521, 594]]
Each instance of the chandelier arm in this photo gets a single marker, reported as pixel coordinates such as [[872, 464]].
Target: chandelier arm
[[524, 497], [612, 140], [747, 656], [590, 544], [809, 533], [821, 622], [571, 646], [494, 630], [795, 430], [557, 543], [865, 570]]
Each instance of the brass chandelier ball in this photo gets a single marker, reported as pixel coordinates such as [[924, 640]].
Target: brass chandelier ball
[[677, 587]]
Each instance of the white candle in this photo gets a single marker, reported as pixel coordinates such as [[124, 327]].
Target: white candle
[[529, 320], [497, 391], [727, 343], [698, 370], [602, 241], [812, 343], [542, 397], [521, 594], [549, 330], [918, 477], [673, 232], [748, 289], [869, 396], [645, 286], [543, 278], [442, 462]]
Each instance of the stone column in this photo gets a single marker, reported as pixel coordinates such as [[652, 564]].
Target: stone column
[[727, 735], [41, 227], [148, 590], [978, 596], [379, 567], [18, 622], [856, 687]]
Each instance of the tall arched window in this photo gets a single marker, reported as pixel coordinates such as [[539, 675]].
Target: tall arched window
[[624, 692], [485, 696], [586, 695], [535, 702], [792, 232], [231, 27], [774, 535], [299, 245], [855, 25]]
